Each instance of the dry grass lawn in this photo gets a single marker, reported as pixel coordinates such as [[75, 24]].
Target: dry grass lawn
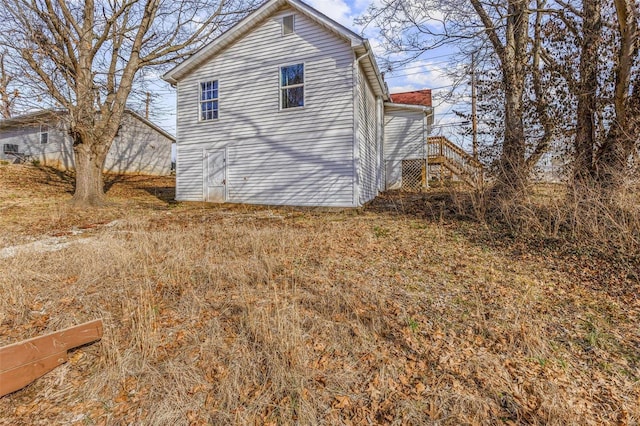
[[394, 314]]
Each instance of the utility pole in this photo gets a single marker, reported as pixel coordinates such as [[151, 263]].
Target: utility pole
[[474, 117]]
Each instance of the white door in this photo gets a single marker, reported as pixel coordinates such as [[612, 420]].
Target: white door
[[215, 172]]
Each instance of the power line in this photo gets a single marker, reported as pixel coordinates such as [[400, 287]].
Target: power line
[[404, 75], [437, 57], [457, 123], [425, 65], [448, 109], [447, 113], [442, 87]]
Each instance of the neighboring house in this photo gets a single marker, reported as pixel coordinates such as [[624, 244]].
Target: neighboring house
[[415, 97], [288, 107], [140, 146], [406, 129]]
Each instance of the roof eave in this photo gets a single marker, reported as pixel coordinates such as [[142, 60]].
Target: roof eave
[[373, 74], [225, 39], [411, 107], [250, 21], [30, 118], [151, 124], [326, 22]]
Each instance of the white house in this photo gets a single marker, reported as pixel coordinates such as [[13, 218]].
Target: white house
[[140, 146], [288, 107]]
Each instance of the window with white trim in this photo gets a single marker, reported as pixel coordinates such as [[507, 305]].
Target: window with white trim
[[209, 100], [288, 24], [44, 134], [292, 86]]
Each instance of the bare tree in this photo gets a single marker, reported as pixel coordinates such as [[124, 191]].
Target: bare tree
[[569, 70], [597, 56], [587, 91], [504, 30], [511, 47], [8, 96], [624, 135], [88, 55]]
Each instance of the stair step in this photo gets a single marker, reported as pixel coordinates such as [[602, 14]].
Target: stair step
[[456, 160]]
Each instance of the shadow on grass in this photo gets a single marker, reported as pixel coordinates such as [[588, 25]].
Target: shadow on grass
[[156, 186], [111, 179], [166, 194], [435, 205], [594, 264], [53, 176]]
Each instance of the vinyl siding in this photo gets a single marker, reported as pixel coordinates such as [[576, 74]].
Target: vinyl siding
[[294, 157], [189, 173], [27, 137], [404, 133], [405, 138], [138, 148], [367, 142], [382, 174], [305, 177]]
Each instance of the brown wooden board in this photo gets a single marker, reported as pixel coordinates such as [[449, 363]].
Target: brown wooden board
[[19, 377], [23, 362]]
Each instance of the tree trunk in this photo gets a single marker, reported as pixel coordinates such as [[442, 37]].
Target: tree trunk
[[89, 190], [513, 176], [585, 141], [6, 98], [612, 160], [611, 165]]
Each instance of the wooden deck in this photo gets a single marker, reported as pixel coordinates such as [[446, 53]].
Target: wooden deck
[[452, 161]]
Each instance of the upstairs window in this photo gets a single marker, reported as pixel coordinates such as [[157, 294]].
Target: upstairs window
[[288, 24], [292, 86], [44, 134], [209, 100]]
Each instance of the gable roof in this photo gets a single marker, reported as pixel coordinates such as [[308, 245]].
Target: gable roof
[[151, 124], [45, 116], [359, 44], [416, 97], [42, 116]]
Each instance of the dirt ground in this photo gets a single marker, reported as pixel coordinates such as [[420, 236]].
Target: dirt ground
[[397, 313]]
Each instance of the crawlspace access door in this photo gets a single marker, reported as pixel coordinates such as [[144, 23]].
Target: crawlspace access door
[[215, 176]]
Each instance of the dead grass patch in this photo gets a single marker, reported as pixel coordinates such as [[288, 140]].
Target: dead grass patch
[[240, 315]]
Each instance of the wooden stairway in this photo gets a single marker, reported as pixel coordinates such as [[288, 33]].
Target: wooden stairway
[[450, 157]]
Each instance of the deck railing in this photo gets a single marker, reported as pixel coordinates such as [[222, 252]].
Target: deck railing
[[443, 152]]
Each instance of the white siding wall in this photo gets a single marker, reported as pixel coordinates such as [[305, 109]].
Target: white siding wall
[[27, 137], [189, 173], [139, 148], [405, 138], [292, 157], [367, 143], [382, 170]]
